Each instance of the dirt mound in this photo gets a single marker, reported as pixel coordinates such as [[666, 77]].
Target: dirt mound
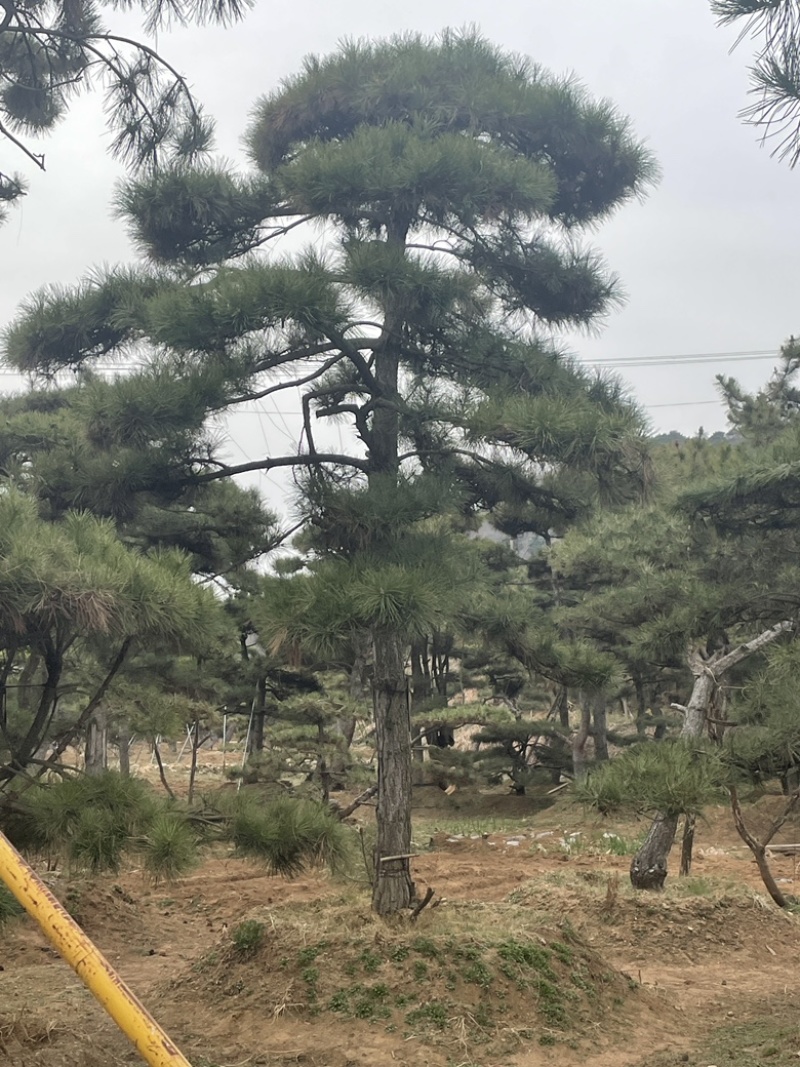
[[32, 1039], [672, 927], [479, 976]]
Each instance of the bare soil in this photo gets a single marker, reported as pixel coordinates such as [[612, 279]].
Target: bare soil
[[609, 976]]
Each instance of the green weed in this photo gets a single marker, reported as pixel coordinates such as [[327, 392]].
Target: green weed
[[434, 1012], [308, 955], [248, 937], [9, 908]]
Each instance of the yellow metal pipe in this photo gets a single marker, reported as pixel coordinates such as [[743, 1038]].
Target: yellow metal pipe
[[88, 962]]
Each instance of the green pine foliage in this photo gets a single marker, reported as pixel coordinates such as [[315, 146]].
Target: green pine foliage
[[76, 603], [774, 26], [10, 908], [764, 741], [288, 835], [97, 823], [674, 778], [48, 53], [85, 822], [169, 847]]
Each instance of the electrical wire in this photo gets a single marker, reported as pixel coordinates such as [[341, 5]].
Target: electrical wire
[[605, 361], [698, 357]]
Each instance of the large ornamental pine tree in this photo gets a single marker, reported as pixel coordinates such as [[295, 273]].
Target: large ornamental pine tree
[[408, 242]]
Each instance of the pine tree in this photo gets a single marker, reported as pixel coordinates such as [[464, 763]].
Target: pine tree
[[450, 181], [77, 601], [51, 51], [50, 450], [684, 579], [775, 77]]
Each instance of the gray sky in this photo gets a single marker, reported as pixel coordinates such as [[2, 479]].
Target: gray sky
[[708, 262]]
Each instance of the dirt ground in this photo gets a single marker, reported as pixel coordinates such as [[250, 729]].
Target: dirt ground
[[706, 968]]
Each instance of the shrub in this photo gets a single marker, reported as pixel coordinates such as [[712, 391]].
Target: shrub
[[248, 937]]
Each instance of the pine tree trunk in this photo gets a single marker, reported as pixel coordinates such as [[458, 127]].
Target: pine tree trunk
[[344, 726], [124, 742], [420, 687], [95, 755], [393, 889], [759, 848], [441, 646], [562, 706], [687, 845], [580, 739], [600, 727], [641, 706], [649, 865], [259, 716], [193, 766], [26, 686]]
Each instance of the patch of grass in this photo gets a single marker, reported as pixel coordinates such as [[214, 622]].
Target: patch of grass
[[478, 973], [758, 1043], [617, 845], [467, 826], [562, 952], [248, 937], [362, 1002], [526, 955], [460, 978], [551, 1003], [209, 960], [483, 1016], [435, 1013], [9, 907], [425, 947], [340, 1001], [369, 961], [695, 886], [309, 954], [464, 952]]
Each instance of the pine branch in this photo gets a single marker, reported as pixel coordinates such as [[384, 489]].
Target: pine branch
[[319, 459]]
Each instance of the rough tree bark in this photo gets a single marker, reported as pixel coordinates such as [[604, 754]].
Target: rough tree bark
[[96, 754], [124, 744], [649, 865], [393, 889], [561, 705], [259, 716], [580, 739], [687, 844], [600, 726], [641, 705]]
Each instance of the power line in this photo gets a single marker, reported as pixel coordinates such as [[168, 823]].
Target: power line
[[684, 404], [688, 359], [606, 361]]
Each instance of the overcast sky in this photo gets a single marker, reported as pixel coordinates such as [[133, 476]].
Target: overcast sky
[[708, 262]]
